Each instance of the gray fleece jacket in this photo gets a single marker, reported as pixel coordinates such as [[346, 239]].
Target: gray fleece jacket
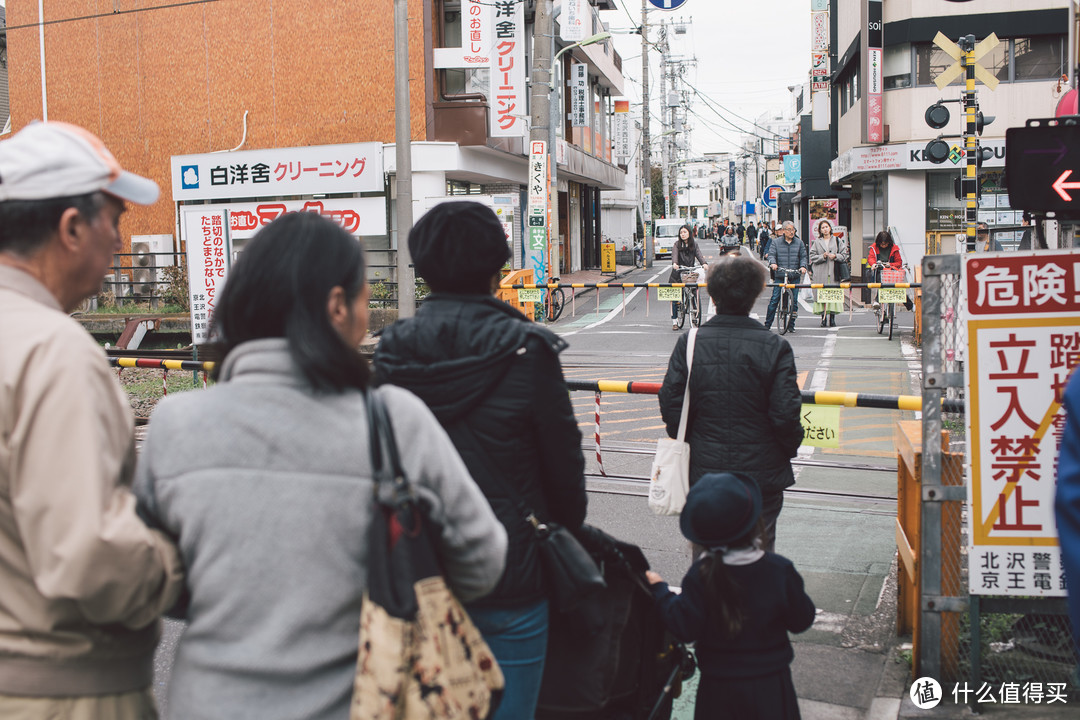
[[267, 489]]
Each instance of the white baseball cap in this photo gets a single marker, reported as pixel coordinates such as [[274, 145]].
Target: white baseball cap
[[56, 159]]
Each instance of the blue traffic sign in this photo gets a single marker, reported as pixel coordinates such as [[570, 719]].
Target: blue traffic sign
[[667, 4], [772, 195]]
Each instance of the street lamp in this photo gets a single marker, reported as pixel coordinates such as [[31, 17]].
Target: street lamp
[[591, 40]]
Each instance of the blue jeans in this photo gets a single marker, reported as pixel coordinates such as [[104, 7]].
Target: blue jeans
[[774, 302], [518, 638]]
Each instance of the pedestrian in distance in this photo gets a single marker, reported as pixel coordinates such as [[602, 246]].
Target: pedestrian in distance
[[744, 394], [683, 254], [764, 238], [1067, 507], [983, 240], [883, 252], [751, 235], [737, 605], [273, 510], [83, 581], [493, 379], [787, 252], [825, 251], [740, 231]]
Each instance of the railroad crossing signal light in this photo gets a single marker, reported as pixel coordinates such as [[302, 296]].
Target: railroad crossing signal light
[[936, 151], [984, 155], [982, 121], [937, 116]]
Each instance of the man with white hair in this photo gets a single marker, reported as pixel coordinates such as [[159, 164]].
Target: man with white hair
[[787, 252], [82, 580]]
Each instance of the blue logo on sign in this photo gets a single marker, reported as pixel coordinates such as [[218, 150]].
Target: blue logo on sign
[[667, 4], [189, 177]]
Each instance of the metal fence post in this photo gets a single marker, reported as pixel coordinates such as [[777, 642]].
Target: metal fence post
[[929, 642]]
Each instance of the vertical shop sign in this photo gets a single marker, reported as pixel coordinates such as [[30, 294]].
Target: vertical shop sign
[[731, 180], [537, 218], [579, 95], [1023, 330], [476, 33], [209, 249], [872, 40], [622, 129], [572, 23], [508, 70]]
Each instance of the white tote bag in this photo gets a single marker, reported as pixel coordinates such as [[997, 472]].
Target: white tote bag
[[671, 467]]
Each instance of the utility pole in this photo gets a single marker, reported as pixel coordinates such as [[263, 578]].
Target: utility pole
[[646, 153], [403, 151], [665, 154], [541, 126]]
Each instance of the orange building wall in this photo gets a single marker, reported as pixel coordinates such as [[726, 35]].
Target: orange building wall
[[176, 81]]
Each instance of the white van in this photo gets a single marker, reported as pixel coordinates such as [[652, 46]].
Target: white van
[[665, 233]]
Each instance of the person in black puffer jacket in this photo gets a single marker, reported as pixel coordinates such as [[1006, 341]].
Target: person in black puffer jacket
[[494, 382], [744, 395]]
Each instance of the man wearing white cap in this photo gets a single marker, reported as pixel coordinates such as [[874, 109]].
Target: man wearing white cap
[[82, 579]]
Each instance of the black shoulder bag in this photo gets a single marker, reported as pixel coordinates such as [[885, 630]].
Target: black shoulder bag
[[421, 657]]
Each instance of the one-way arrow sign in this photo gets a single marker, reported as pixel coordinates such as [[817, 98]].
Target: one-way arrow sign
[[1061, 186], [1042, 166]]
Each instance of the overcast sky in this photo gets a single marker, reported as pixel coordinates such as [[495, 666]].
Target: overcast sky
[[748, 53]]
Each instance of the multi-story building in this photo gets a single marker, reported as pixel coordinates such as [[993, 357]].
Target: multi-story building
[[256, 105], [878, 127]]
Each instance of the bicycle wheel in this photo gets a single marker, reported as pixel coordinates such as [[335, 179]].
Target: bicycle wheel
[[695, 318], [785, 310], [682, 310], [882, 316], [555, 307], [892, 319]]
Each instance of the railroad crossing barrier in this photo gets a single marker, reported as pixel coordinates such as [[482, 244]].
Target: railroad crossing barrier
[[508, 288]]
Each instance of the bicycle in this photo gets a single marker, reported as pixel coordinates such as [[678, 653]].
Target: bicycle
[[690, 301], [554, 300], [787, 297], [888, 298]]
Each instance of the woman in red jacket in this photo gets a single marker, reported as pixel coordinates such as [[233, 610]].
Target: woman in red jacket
[[885, 251]]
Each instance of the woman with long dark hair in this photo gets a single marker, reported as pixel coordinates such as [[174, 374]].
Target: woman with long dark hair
[[683, 253], [265, 482]]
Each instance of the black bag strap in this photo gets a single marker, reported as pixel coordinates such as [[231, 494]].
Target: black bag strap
[[391, 485]]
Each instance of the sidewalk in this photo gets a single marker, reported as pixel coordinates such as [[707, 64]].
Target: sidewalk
[[595, 276]]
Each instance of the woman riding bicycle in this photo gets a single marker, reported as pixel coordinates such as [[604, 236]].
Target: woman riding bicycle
[[683, 254], [883, 253]]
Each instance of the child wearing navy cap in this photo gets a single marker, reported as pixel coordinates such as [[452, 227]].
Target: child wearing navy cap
[[737, 605]]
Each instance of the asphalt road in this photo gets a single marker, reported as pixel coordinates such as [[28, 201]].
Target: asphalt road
[[837, 528]]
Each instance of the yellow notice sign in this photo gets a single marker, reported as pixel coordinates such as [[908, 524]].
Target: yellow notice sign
[[830, 295], [821, 425], [527, 295], [607, 257], [669, 294]]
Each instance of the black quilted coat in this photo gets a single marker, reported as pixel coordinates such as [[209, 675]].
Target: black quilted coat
[[493, 380], [744, 401]]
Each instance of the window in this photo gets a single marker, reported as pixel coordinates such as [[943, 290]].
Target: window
[[849, 88], [1039, 58], [1014, 59], [459, 81], [897, 66]]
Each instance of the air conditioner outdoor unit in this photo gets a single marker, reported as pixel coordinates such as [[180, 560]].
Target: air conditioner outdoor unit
[[149, 253]]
